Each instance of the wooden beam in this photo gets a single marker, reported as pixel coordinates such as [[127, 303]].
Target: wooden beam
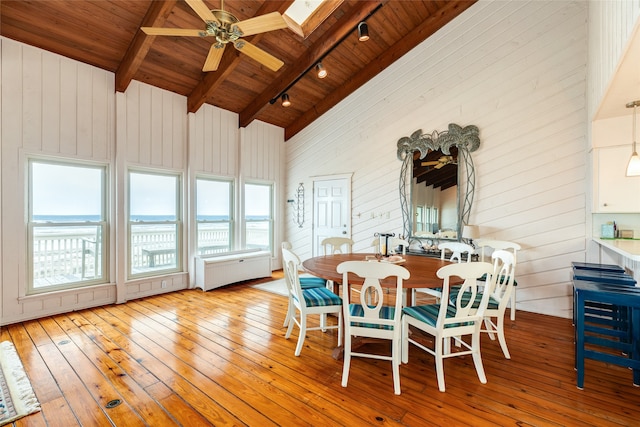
[[344, 26], [404, 45], [212, 80], [156, 15]]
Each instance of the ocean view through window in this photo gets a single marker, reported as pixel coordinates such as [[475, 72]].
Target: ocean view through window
[[154, 223], [67, 225]]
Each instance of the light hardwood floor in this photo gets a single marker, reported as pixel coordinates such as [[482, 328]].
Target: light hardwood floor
[[220, 358]]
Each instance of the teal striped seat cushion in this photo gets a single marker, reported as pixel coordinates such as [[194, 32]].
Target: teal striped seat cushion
[[466, 297], [386, 312], [312, 282], [320, 297], [484, 279], [429, 314]]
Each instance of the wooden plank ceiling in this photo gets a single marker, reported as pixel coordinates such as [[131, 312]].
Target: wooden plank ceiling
[[106, 34]]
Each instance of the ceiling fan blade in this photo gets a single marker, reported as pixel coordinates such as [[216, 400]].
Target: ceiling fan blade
[[202, 10], [258, 54], [153, 31], [260, 24], [213, 58], [440, 165], [435, 162]]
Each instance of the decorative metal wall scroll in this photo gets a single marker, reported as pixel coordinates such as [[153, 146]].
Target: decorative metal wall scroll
[[465, 139], [298, 206]]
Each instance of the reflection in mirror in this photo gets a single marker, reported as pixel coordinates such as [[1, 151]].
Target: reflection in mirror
[[434, 194], [435, 201]]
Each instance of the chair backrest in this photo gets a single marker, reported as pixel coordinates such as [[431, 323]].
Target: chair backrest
[[291, 266], [466, 316], [367, 317], [337, 245], [456, 249], [487, 246], [503, 276]]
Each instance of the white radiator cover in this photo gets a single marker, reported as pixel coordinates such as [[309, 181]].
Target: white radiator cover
[[214, 271]]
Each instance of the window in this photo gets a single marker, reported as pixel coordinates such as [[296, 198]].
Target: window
[[154, 223], [258, 216], [214, 219], [67, 227]]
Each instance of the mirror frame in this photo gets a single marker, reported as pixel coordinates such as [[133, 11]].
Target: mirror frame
[[466, 139]]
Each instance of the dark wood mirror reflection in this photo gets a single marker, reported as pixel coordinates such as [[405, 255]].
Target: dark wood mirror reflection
[[434, 195]]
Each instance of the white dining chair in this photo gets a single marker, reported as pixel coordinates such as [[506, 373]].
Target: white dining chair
[[307, 281], [485, 248], [368, 317], [336, 245], [452, 251], [499, 293], [306, 302], [445, 322]]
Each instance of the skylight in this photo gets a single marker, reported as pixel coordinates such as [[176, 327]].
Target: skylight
[[301, 10]]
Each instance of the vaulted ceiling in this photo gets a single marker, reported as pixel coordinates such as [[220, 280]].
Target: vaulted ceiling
[[106, 34]]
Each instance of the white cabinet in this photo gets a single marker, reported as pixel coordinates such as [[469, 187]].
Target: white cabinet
[[213, 271], [613, 190]]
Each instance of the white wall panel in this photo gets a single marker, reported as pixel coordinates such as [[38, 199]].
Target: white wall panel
[[213, 141], [54, 106], [517, 70]]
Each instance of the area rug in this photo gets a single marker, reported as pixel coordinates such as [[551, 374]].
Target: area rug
[[17, 398], [275, 287]]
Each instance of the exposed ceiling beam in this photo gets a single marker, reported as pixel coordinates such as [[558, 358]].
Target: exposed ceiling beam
[[404, 45], [212, 80], [344, 26], [156, 16]]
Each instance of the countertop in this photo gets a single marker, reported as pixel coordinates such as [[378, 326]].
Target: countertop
[[629, 248]]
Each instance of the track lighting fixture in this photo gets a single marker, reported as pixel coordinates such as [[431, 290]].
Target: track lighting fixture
[[285, 100], [322, 72], [363, 31]]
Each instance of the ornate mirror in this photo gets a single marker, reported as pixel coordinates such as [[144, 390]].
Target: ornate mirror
[[435, 202]]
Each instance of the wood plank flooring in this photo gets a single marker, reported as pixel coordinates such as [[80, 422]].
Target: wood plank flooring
[[196, 358]]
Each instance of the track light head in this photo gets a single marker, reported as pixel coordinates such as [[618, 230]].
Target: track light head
[[285, 100], [322, 72], [363, 31]]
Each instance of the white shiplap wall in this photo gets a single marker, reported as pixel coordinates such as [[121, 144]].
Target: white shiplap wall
[[517, 70], [54, 107]]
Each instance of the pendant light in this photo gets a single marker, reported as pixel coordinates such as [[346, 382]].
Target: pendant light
[[633, 168]]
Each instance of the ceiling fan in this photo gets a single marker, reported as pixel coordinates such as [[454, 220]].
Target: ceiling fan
[[441, 162], [226, 29]]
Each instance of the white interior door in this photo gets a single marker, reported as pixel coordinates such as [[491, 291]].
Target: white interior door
[[331, 209]]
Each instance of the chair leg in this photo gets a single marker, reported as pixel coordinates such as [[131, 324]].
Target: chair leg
[[303, 332], [292, 320], [287, 318], [513, 304], [501, 338], [346, 364], [439, 343], [405, 341], [395, 364], [477, 357]]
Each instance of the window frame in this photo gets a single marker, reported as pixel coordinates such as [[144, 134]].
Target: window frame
[[232, 223], [177, 222], [271, 219], [102, 261]]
